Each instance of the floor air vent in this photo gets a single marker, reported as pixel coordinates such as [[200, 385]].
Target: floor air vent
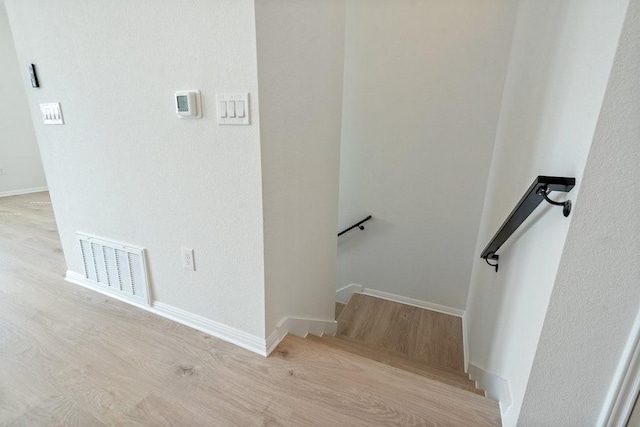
[[118, 267]]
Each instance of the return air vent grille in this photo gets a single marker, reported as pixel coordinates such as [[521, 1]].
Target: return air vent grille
[[119, 267]]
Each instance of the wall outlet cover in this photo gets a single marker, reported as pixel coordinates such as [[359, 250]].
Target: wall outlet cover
[[51, 113], [188, 262]]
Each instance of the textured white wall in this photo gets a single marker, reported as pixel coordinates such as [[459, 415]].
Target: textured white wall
[[560, 61], [422, 91], [19, 153], [125, 167], [595, 299], [300, 66]]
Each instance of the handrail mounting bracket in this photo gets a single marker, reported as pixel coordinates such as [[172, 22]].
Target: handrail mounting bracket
[[566, 205], [492, 257]]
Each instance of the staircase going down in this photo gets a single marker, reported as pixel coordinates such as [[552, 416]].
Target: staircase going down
[[400, 354], [413, 339]]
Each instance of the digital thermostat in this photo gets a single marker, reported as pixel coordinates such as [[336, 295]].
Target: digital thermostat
[[188, 104]]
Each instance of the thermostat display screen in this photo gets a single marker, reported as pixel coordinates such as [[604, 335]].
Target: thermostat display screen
[[183, 103]]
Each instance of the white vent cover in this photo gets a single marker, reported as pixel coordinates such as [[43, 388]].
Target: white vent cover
[[121, 268]]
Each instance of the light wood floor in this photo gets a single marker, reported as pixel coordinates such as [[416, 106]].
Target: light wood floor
[[70, 356], [422, 335]]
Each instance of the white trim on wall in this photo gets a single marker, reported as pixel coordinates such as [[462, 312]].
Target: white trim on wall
[[343, 295], [299, 327], [218, 330], [414, 302], [235, 336], [625, 386], [497, 388], [23, 191], [288, 325]]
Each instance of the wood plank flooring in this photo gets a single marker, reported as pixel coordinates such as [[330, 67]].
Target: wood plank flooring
[[70, 356], [422, 335]]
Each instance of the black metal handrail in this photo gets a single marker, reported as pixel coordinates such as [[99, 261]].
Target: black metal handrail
[[358, 225], [537, 192]]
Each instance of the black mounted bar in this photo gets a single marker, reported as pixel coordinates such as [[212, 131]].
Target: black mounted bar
[[537, 192], [359, 225]]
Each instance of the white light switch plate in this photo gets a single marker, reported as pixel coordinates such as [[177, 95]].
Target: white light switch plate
[[233, 109], [51, 113]]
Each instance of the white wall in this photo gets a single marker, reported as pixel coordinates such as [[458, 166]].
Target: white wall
[[300, 63], [422, 90], [595, 300], [19, 155], [560, 61], [125, 167]]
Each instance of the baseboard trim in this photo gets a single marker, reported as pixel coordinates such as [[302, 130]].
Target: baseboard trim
[[226, 333], [300, 327], [497, 388], [23, 191], [343, 295]]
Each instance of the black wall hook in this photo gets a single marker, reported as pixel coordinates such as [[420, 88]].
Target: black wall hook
[[566, 206]]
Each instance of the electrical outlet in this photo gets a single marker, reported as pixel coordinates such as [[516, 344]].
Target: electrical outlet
[[2, 171], [187, 259], [51, 113]]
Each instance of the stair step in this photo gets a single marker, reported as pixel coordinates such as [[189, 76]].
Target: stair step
[[422, 335], [335, 370], [399, 361], [339, 307]]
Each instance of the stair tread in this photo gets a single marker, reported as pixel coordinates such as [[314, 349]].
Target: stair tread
[[386, 386], [399, 361], [423, 335]]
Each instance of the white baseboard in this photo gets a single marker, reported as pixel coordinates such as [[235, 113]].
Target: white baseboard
[[300, 327], [497, 388], [343, 295], [235, 336], [23, 191], [414, 302], [208, 326]]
